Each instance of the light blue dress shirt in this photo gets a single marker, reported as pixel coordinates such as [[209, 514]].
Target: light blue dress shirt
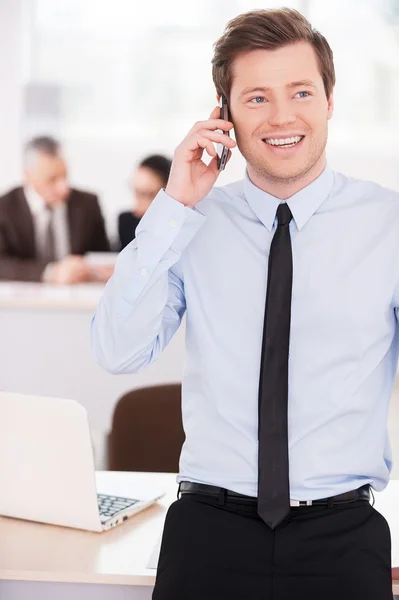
[[211, 261]]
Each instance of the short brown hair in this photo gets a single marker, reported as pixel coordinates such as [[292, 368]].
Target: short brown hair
[[268, 30]]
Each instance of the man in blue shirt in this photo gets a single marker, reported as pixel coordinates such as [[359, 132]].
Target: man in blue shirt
[[290, 280]]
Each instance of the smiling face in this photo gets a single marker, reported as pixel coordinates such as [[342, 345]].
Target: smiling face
[[280, 113]]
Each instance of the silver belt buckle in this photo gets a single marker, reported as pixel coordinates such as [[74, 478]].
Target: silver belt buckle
[[301, 502]]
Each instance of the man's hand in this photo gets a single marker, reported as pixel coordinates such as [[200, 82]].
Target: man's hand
[[190, 179], [72, 269], [101, 273]]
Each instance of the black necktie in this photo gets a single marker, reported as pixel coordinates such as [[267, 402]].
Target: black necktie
[[273, 483]]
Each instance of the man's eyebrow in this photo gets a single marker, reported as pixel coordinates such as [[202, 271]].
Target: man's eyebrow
[[303, 82], [251, 90], [293, 84]]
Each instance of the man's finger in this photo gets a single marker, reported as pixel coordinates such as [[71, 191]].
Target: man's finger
[[213, 124], [215, 114], [213, 165], [218, 137]]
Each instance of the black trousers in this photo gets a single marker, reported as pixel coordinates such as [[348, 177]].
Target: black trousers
[[215, 550]]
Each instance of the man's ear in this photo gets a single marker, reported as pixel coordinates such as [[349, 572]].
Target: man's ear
[[27, 177], [330, 105]]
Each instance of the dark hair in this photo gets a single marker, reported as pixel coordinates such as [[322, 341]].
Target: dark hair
[[159, 164], [45, 144], [268, 29]]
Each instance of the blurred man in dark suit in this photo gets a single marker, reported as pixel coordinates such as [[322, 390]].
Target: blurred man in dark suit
[[45, 226]]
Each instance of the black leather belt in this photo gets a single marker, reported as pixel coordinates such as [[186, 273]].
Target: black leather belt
[[188, 487]]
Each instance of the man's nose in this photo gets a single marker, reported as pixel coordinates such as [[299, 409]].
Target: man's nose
[[281, 114], [62, 186]]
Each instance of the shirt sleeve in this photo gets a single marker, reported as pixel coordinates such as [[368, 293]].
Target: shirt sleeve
[[143, 303]]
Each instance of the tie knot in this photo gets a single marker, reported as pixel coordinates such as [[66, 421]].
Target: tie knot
[[284, 215]]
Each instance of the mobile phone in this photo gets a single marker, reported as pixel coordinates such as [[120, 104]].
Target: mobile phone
[[222, 151]]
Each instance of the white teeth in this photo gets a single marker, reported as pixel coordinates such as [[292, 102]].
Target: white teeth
[[284, 142]]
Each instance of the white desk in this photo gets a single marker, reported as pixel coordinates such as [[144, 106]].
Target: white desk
[[37, 560], [45, 350], [45, 562]]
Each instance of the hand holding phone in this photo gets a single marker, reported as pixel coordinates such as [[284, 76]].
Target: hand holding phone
[[191, 179]]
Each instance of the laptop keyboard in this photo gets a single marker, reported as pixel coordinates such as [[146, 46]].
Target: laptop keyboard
[[108, 506]]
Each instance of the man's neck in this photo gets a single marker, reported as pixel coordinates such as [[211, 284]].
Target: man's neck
[[284, 189], [35, 201]]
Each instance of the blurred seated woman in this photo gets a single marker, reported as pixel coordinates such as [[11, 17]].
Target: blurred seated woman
[[150, 176]]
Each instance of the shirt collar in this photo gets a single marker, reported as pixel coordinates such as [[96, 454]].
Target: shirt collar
[[303, 204], [35, 202]]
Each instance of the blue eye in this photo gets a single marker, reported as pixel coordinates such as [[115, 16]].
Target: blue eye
[[257, 100], [307, 94]]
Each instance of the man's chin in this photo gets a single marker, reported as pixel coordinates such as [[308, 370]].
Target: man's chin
[[58, 201], [284, 174]]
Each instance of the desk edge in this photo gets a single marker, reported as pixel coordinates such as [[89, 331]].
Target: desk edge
[[102, 578]]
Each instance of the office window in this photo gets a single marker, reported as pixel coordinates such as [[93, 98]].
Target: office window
[[117, 80]]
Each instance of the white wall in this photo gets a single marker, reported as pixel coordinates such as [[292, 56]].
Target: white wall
[[11, 92], [102, 153]]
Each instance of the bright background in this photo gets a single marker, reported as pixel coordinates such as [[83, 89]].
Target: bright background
[[118, 80]]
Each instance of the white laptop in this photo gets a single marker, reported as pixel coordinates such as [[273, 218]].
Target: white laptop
[[47, 470]]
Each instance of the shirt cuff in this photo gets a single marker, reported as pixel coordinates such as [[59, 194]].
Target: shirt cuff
[[170, 221], [47, 275]]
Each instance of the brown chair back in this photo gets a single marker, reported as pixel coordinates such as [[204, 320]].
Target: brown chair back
[[147, 432]]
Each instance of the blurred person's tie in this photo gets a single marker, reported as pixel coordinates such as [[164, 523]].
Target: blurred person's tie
[[273, 467], [48, 246]]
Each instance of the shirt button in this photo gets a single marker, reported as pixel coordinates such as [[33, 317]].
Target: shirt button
[[173, 222], [144, 272]]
